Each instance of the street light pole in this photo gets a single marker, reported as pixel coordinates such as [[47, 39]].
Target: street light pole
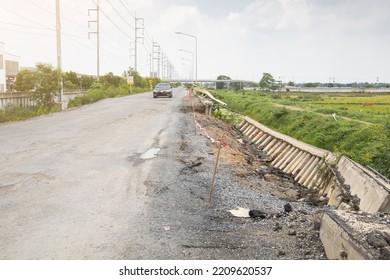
[[196, 52]]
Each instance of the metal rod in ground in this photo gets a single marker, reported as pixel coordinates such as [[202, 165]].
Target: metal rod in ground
[[215, 170]]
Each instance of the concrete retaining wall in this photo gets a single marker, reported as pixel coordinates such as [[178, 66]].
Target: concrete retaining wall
[[373, 191], [304, 162], [310, 166], [337, 238], [15, 99]]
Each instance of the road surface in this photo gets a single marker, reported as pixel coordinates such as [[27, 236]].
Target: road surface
[[129, 178], [68, 185]]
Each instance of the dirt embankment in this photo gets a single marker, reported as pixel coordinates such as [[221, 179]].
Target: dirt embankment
[[284, 219]]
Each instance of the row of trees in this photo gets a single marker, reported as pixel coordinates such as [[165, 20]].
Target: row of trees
[[43, 82], [266, 82], [45, 76]]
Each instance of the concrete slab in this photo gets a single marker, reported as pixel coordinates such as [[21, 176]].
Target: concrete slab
[[348, 235]]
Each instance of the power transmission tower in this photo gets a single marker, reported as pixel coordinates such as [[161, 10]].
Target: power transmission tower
[[139, 34], [97, 32], [155, 51]]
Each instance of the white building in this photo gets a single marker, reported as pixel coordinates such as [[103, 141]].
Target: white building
[[9, 67]]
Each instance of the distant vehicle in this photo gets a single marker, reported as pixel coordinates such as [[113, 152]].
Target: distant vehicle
[[162, 89]]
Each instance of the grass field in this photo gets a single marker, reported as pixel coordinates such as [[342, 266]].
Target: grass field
[[348, 105], [362, 133]]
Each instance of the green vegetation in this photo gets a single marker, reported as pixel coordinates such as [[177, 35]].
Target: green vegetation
[[267, 81], [42, 85], [16, 113], [308, 117], [110, 86]]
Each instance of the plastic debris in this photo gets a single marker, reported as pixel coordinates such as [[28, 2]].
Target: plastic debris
[[240, 212]]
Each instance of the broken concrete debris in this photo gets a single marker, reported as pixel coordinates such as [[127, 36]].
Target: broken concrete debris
[[287, 207], [257, 214]]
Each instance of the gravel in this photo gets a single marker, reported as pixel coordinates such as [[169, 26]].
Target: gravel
[[184, 225]]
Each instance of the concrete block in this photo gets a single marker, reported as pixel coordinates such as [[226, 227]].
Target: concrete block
[[351, 235], [338, 240], [373, 191]]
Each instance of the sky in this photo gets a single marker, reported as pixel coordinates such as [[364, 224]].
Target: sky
[[294, 40]]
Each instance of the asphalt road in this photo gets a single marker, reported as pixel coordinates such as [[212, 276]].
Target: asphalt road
[[129, 178], [72, 183]]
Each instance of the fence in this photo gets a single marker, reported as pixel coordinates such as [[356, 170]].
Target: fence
[[23, 99]]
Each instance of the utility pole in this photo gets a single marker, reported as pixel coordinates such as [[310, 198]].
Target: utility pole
[[97, 37], [151, 64], [155, 50], [139, 34], [59, 54], [162, 64]]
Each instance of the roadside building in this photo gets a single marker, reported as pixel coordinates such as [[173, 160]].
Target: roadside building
[[9, 68]]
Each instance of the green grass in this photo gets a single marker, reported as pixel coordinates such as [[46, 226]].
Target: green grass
[[367, 144], [16, 113], [97, 94]]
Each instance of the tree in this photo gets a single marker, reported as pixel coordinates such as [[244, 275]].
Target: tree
[[69, 85], [222, 85], [86, 81], [70, 80], [25, 80], [111, 80], [267, 81], [46, 84]]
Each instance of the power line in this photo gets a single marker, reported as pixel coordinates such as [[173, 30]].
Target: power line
[[25, 18], [80, 44], [73, 9], [116, 11], [127, 8], [50, 12], [39, 6], [26, 32], [113, 23], [28, 26]]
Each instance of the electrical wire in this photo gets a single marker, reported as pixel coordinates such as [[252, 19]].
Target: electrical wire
[[73, 9], [133, 15], [27, 32], [25, 18], [28, 26], [53, 13], [113, 23], [116, 11]]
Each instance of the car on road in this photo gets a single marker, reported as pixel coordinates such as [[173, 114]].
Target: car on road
[[162, 89]]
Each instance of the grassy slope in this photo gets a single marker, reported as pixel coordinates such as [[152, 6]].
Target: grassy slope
[[367, 144]]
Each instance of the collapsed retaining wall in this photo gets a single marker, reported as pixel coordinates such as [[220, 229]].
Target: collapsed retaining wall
[[316, 168], [345, 234]]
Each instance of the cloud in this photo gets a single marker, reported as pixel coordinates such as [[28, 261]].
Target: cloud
[[278, 14], [179, 17]]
